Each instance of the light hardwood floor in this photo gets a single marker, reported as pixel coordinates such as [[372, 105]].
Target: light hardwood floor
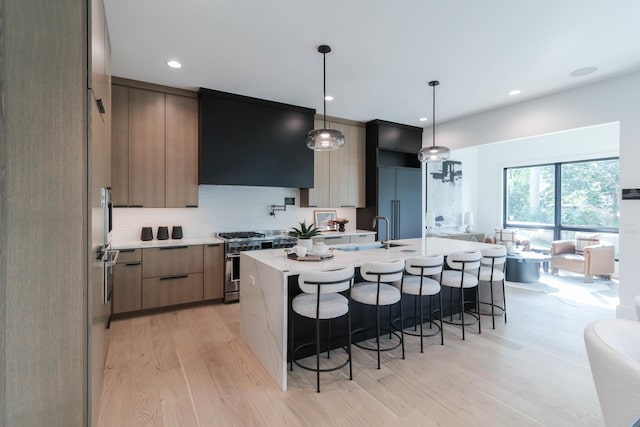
[[190, 368]]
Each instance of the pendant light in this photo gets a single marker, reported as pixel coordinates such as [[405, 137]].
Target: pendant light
[[325, 139], [435, 153]]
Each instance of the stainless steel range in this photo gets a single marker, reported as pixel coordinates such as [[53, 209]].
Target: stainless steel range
[[239, 241]]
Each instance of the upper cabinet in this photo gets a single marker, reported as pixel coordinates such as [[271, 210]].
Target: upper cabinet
[[339, 176], [154, 147]]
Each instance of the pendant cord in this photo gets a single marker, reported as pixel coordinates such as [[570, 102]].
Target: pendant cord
[[324, 88], [433, 127]]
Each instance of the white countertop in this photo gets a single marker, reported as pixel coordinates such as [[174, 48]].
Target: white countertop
[[277, 258], [136, 244]]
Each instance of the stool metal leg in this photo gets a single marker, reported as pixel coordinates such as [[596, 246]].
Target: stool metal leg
[[318, 354], [421, 322], [462, 309], [401, 327], [378, 332], [441, 329], [493, 314], [478, 308], [504, 302]]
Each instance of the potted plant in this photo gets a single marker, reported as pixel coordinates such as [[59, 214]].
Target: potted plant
[[304, 234]]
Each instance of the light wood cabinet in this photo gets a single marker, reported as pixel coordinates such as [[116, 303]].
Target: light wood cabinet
[[337, 240], [127, 282], [120, 146], [155, 146], [213, 271], [181, 174], [146, 149], [339, 176], [171, 290], [165, 276], [171, 275], [363, 238], [171, 260]]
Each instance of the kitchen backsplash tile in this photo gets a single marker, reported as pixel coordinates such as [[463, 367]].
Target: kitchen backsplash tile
[[222, 208]]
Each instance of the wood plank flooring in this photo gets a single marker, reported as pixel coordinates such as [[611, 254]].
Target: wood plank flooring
[[189, 367]]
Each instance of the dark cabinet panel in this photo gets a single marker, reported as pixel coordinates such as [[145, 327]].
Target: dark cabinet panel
[[249, 141], [396, 136]]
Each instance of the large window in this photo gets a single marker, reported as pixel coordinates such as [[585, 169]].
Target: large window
[[556, 201]]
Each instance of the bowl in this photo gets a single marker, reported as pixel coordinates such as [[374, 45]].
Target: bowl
[[320, 248], [300, 250]]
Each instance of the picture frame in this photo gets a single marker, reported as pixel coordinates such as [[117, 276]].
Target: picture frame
[[324, 219]]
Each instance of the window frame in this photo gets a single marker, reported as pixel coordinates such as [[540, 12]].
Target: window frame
[[557, 227]]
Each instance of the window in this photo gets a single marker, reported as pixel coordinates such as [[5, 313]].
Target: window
[[556, 201]]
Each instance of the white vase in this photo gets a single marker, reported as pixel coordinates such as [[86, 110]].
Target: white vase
[[308, 243]]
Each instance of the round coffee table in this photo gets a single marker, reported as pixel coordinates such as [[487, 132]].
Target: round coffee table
[[525, 266]]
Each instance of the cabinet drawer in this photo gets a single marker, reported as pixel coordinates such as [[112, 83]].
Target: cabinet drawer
[[362, 238], [129, 255], [171, 290], [333, 240], [171, 260]]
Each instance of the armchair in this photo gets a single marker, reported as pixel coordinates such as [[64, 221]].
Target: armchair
[[588, 256]]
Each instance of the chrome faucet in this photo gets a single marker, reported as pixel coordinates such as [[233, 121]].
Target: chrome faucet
[[375, 222]]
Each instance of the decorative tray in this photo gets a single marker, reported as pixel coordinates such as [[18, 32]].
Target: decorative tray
[[310, 257]]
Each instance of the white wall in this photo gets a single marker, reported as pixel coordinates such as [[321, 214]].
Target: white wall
[[608, 101], [222, 208], [490, 159]]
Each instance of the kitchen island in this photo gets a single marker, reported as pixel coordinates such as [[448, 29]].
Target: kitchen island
[[264, 290]]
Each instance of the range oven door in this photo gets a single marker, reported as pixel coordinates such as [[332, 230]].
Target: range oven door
[[232, 278]]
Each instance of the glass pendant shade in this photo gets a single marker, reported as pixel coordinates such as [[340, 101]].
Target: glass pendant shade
[[325, 139], [434, 153]]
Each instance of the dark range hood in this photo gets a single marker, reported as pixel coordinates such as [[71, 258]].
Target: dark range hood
[[250, 141]]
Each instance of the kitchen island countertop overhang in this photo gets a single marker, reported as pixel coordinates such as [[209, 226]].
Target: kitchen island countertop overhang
[[264, 290]]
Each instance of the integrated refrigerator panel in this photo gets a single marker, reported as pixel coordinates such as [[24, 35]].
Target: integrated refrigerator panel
[[399, 199]]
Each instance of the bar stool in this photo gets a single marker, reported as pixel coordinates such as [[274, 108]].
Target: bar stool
[[492, 269], [377, 291], [320, 300], [418, 283], [459, 277]]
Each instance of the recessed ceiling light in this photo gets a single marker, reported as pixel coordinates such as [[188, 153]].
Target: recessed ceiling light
[[174, 64], [423, 119], [514, 92], [328, 98], [583, 71]]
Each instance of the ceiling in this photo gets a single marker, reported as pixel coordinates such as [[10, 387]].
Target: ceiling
[[383, 52]]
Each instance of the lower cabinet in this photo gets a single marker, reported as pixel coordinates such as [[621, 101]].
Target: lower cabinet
[[127, 276], [363, 238], [171, 290], [332, 240], [165, 276], [337, 240], [213, 271]]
